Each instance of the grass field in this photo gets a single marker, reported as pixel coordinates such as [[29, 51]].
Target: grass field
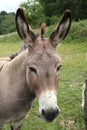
[[72, 76]]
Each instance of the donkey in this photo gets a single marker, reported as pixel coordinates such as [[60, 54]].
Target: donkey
[[32, 74]]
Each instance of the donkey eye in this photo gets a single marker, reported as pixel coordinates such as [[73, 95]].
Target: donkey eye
[[58, 68], [32, 69]]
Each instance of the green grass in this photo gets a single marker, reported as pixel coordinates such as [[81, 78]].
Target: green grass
[[72, 76], [9, 44]]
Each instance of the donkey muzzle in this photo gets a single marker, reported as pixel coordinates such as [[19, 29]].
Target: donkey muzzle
[[48, 106]]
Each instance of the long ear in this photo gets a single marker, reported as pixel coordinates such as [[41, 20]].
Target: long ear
[[23, 29], [62, 29]]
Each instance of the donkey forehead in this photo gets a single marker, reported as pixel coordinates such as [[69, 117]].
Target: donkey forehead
[[43, 43], [43, 52]]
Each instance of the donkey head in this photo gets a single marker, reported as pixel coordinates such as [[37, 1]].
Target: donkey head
[[43, 63]]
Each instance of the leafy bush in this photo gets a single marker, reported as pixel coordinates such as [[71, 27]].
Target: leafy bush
[[78, 31], [7, 23]]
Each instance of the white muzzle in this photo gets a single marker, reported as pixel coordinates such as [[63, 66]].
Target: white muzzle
[[48, 105]]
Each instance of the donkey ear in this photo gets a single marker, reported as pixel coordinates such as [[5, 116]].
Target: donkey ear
[[23, 29], [62, 29]]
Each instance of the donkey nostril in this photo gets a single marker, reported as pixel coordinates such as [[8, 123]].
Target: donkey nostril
[[57, 111], [43, 112]]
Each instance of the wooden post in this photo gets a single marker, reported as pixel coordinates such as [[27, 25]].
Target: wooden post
[[85, 104]]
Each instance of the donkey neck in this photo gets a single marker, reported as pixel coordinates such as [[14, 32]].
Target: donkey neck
[[16, 70], [19, 60]]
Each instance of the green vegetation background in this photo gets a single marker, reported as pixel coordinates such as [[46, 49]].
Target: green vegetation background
[[38, 11]]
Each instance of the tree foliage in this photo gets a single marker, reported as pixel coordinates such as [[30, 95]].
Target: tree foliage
[[57, 7], [49, 11], [7, 22], [34, 12], [46, 10]]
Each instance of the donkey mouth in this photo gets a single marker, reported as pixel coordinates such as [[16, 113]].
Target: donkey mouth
[[49, 118]]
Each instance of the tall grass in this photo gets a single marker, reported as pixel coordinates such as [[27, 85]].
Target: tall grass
[[72, 75]]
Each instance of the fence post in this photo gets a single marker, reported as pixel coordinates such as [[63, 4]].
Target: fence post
[[85, 104]]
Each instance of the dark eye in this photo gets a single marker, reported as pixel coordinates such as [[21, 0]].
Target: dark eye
[[33, 69], [58, 68]]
